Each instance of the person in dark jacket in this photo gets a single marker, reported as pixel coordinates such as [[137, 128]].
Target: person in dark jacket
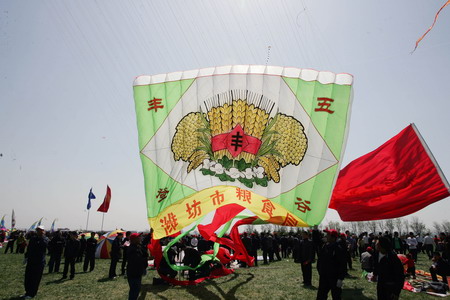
[[137, 263], [247, 241], [125, 245], [256, 245], [55, 248], [12, 239], [306, 257], [439, 267], [116, 251], [192, 258], [35, 258], [388, 271], [89, 259], [82, 248], [331, 265], [266, 246], [71, 254]]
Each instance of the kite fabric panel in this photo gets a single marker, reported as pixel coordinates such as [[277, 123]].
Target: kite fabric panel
[[397, 179], [269, 139]]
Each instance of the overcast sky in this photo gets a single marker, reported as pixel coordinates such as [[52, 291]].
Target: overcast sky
[[67, 119]]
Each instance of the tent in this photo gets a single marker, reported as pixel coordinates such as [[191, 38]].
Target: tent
[[105, 243]]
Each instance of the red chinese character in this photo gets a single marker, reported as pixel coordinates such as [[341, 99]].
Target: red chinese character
[[268, 207], [169, 223], [290, 221], [162, 194], [194, 210], [217, 198], [324, 105], [302, 206], [154, 104], [243, 195]]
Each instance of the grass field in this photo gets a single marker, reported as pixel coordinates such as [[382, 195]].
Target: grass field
[[279, 280]]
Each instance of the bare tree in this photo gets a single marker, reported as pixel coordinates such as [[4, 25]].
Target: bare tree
[[362, 226], [417, 226], [437, 227], [399, 225], [446, 227], [334, 225], [406, 225], [354, 228], [372, 226], [389, 225]]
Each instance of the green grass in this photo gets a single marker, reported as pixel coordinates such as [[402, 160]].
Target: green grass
[[279, 280]]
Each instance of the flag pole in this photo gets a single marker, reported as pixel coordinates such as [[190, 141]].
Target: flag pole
[[87, 221], [103, 217]]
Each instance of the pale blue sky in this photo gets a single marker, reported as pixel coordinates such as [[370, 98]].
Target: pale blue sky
[[67, 119]]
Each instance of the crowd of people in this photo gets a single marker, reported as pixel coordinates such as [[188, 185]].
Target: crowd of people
[[72, 248], [333, 251]]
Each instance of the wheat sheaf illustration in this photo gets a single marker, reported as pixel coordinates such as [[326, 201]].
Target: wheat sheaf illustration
[[233, 137]]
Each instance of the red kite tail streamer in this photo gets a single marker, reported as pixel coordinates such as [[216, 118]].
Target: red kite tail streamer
[[431, 27]]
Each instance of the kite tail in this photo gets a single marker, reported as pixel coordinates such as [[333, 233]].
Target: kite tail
[[431, 27]]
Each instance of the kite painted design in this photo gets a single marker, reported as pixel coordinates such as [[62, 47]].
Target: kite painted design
[[237, 140]]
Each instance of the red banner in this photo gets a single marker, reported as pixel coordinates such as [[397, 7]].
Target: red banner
[[105, 205], [395, 180]]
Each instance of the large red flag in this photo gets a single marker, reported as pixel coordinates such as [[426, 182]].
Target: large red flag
[[105, 205], [397, 179]]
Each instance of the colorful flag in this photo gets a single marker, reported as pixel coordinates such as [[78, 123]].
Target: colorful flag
[[2, 223], [105, 205], [13, 220], [39, 222], [90, 197], [267, 138], [33, 226], [52, 229], [397, 179]]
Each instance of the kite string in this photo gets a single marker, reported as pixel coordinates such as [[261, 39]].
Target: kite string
[[268, 54]]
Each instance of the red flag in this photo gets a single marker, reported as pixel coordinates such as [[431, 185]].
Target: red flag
[[105, 205], [397, 179]]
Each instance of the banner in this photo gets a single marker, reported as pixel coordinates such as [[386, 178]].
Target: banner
[[397, 179]]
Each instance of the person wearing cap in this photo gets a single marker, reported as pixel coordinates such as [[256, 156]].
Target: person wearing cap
[[116, 250], [35, 258], [388, 271], [137, 264], [331, 265], [367, 260], [89, 258], [70, 254]]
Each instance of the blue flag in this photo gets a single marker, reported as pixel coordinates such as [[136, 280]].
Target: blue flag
[[90, 197]]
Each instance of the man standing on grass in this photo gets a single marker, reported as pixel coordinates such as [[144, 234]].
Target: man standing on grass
[[71, 254], [125, 245], [136, 266], [306, 257], [116, 250], [388, 271], [89, 258], [35, 258], [331, 265]]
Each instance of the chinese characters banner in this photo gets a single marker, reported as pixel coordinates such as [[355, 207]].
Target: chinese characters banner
[[267, 138]]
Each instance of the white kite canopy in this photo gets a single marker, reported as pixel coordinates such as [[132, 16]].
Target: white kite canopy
[[323, 77]]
